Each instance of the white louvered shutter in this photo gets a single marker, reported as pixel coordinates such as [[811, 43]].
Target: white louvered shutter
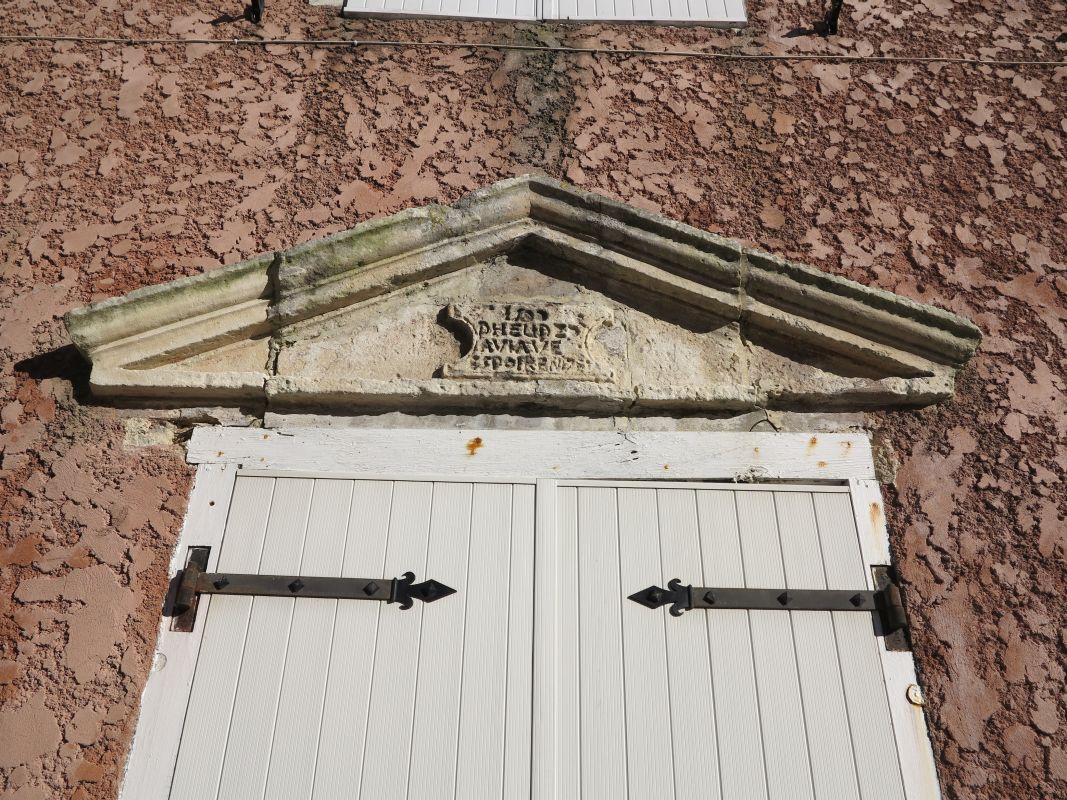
[[453, 9], [724, 13], [721, 13]]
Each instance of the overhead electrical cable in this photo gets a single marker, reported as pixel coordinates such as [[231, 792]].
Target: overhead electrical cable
[[721, 55]]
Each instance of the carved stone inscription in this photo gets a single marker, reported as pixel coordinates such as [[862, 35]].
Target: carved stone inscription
[[532, 341]]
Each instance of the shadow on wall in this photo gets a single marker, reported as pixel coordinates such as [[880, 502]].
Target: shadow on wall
[[65, 363]]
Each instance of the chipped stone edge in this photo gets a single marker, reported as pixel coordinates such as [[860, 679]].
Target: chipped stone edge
[[292, 393], [172, 386]]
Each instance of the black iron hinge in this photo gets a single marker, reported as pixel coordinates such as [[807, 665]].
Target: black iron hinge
[[254, 11], [884, 603], [193, 582]]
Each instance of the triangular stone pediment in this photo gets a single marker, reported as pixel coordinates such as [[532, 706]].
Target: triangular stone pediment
[[529, 294]]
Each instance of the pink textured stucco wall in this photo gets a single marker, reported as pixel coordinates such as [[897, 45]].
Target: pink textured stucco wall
[[125, 165]]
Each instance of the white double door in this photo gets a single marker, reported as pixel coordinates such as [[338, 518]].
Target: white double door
[[538, 678]]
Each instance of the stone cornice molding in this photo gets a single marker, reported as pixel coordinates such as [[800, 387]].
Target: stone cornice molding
[[131, 340]]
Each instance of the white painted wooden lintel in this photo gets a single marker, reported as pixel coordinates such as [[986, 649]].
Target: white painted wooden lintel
[[497, 454]]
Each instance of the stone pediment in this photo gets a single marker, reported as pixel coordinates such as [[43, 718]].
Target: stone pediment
[[528, 294]]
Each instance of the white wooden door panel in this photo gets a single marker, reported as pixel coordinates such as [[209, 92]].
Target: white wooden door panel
[[568, 668], [344, 698], [692, 706], [648, 695], [343, 731], [307, 655], [868, 711], [732, 703], [482, 721], [547, 756], [519, 673], [781, 710], [602, 714], [249, 743], [392, 699], [733, 670], [206, 730], [833, 767], [433, 751]]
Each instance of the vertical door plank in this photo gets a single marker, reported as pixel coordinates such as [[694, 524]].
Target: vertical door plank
[[737, 717], [548, 738], [650, 756], [833, 765], [248, 747], [154, 751], [734, 10], [519, 666], [433, 749], [207, 719], [599, 598], [877, 761], [342, 738], [392, 700], [481, 724], [781, 711], [307, 659], [569, 690], [696, 770]]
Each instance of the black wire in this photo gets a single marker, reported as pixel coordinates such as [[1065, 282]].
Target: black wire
[[708, 54]]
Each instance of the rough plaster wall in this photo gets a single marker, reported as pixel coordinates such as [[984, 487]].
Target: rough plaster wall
[[87, 531], [122, 166]]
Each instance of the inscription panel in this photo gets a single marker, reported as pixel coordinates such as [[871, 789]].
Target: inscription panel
[[529, 341]]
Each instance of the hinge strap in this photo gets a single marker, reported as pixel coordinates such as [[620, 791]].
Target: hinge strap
[[193, 582], [884, 603]]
